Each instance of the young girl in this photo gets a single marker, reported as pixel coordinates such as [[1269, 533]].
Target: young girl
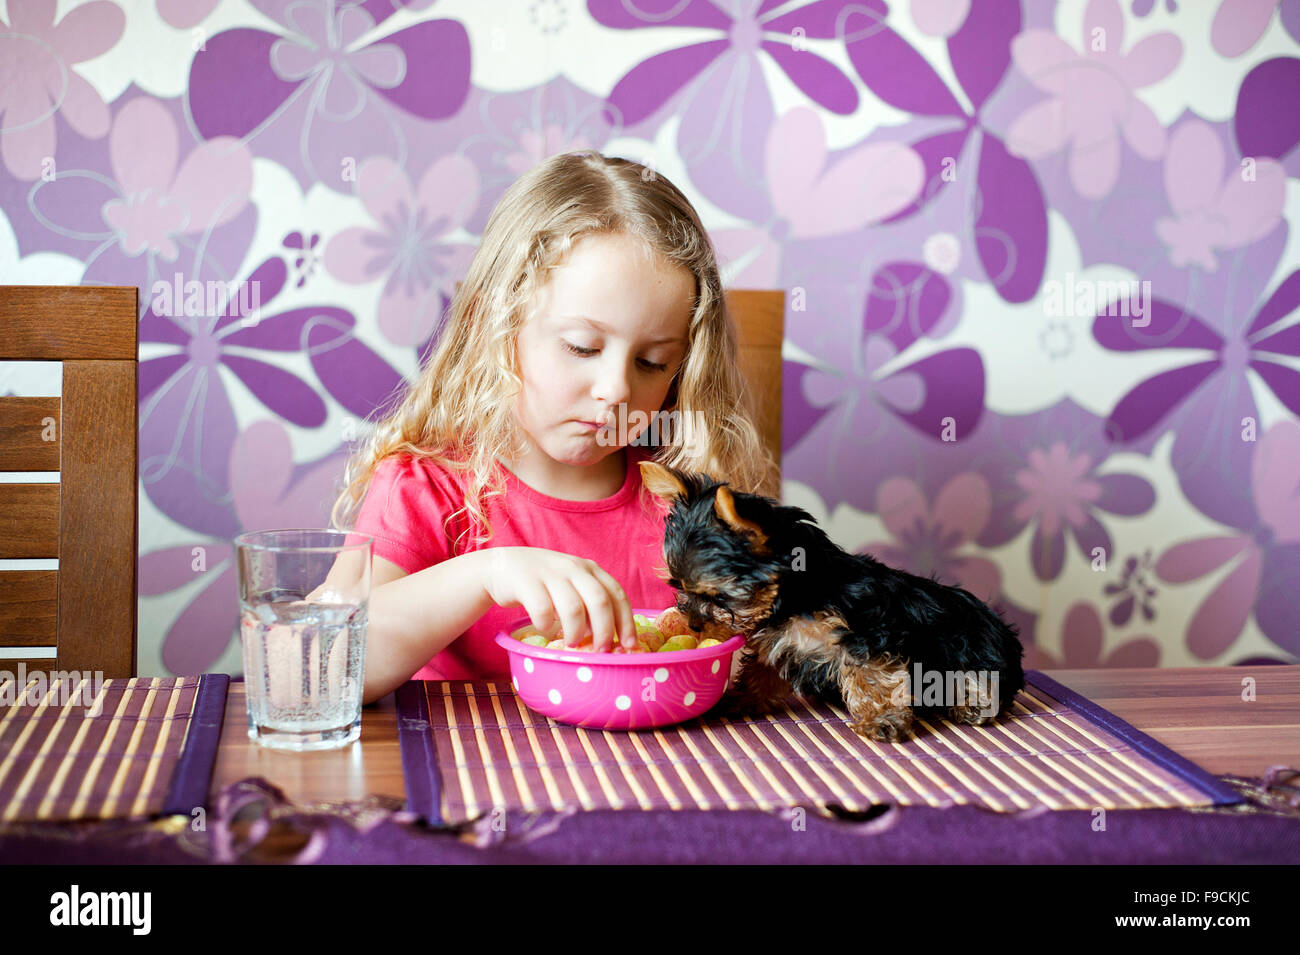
[[502, 480]]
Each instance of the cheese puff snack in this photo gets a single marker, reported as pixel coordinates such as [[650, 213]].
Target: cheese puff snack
[[673, 622], [668, 632]]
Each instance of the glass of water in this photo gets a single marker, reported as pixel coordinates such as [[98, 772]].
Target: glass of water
[[304, 598]]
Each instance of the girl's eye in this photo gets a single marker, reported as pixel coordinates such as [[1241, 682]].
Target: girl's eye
[[587, 352]]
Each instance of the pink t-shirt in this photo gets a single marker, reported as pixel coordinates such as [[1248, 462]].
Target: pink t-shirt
[[409, 498]]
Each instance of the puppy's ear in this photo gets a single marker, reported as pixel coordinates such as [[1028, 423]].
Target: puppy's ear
[[662, 482], [724, 505]]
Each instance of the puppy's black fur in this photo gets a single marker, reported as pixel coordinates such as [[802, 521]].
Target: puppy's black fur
[[822, 622]]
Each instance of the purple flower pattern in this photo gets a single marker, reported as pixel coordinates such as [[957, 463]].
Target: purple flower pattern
[[1133, 591], [152, 214], [1218, 360], [184, 14], [1209, 211], [322, 93], [1262, 556], [38, 55], [267, 490], [811, 200], [1093, 101], [850, 404], [1240, 24], [184, 389], [418, 268], [1082, 639], [723, 76], [1057, 487], [1009, 222], [891, 230], [512, 133], [928, 539]]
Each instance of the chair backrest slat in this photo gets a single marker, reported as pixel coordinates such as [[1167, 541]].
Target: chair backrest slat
[[58, 323], [29, 521], [29, 430], [97, 538], [88, 520], [759, 318], [29, 608]]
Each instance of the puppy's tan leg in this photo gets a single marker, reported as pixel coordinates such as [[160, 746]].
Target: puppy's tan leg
[[759, 689], [977, 706], [878, 697]]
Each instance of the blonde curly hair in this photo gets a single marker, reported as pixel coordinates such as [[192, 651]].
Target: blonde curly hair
[[460, 411]]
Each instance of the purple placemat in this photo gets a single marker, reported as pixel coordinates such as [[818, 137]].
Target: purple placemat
[[120, 749], [470, 749]]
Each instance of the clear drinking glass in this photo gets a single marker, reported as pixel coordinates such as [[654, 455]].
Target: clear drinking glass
[[304, 598]]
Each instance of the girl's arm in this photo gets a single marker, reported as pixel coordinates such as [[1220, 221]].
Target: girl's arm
[[413, 617]]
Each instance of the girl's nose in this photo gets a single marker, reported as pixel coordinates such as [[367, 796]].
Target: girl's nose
[[612, 386]]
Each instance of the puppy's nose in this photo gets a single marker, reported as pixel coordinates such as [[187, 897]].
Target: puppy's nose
[[696, 619]]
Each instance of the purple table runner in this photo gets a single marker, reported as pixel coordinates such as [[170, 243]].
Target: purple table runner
[[469, 749], [124, 749]]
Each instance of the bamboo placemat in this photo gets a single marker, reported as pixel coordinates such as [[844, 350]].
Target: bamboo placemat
[[123, 749], [470, 748]]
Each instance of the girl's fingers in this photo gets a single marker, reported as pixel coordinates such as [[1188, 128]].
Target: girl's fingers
[[570, 608], [601, 611], [624, 627], [533, 596], [574, 596]]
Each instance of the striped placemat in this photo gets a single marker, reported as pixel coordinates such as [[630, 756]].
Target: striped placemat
[[122, 749], [470, 748]]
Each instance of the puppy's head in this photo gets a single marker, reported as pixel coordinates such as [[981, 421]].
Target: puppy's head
[[721, 548]]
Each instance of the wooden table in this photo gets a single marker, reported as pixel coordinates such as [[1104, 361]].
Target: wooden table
[[1197, 712]]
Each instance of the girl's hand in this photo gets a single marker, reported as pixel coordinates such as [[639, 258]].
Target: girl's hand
[[560, 588]]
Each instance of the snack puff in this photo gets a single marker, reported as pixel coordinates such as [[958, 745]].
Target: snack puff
[[681, 641], [650, 640], [672, 622], [536, 640], [708, 642]]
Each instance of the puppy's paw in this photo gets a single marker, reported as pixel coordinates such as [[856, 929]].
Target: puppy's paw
[[970, 715], [891, 726]]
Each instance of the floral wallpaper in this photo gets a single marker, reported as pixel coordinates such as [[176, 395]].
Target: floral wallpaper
[[1043, 296]]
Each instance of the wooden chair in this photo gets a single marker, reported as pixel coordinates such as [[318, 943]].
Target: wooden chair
[[759, 318], [81, 616]]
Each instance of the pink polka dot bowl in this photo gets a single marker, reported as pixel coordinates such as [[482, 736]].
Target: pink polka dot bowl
[[618, 691]]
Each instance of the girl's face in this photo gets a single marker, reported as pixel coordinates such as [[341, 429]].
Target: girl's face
[[608, 329]]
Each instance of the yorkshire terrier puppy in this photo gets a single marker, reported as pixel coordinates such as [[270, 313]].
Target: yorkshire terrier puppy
[[824, 623]]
